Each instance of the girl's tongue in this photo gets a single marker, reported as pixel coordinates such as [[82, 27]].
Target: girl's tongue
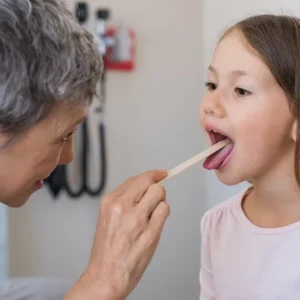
[[215, 161]]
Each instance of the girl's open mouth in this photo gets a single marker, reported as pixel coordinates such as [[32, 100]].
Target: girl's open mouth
[[218, 159]]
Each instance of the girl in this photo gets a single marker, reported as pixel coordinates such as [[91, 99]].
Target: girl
[[251, 243]]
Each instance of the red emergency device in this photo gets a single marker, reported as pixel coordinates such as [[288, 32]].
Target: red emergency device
[[121, 65]]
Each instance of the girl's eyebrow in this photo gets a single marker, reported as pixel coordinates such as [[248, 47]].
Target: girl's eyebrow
[[212, 69], [234, 72]]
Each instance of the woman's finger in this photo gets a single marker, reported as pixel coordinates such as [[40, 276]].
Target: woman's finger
[[135, 188], [148, 240], [157, 220], [155, 194]]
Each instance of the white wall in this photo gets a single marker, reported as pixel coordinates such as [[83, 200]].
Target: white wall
[[217, 15], [152, 119]]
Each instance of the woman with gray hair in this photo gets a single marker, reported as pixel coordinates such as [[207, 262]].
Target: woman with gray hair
[[49, 71]]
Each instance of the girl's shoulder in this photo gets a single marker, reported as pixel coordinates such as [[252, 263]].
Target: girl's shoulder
[[229, 211]]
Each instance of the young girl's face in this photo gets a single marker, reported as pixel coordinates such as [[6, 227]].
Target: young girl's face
[[244, 102]]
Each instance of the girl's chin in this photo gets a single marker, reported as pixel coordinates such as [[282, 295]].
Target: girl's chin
[[228, 177]]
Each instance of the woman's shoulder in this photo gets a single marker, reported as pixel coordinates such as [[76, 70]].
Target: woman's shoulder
[[226, 212]]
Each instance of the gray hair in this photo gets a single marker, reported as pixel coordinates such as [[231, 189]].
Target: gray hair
[[46, 58]]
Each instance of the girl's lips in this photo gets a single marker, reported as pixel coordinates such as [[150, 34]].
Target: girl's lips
[[216, 135]]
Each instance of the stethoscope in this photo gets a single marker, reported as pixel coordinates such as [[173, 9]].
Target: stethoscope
[[84, 158], [60, 178]]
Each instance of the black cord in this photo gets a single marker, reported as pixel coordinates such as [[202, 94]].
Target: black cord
[[86, 151]]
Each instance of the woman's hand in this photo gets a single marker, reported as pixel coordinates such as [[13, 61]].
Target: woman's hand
[[130, 223]]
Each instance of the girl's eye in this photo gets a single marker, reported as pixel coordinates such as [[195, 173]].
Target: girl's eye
[[211, 86], [242, 92]]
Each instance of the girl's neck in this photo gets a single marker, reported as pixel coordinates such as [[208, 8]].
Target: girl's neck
[[275, 199], [277, 196]]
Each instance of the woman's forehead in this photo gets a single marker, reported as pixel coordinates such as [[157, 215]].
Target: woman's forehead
[[65, 117]]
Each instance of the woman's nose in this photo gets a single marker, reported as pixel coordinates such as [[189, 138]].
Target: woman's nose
[[67, 153]]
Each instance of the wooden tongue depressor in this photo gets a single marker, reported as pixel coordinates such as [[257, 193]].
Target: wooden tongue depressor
[[190, 162]]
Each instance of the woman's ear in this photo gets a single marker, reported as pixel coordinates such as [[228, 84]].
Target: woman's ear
[[295, 131]]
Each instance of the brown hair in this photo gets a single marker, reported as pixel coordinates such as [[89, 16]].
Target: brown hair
[[276, 39]]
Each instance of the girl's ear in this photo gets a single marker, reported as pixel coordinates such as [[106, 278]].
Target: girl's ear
[[294, 131]]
